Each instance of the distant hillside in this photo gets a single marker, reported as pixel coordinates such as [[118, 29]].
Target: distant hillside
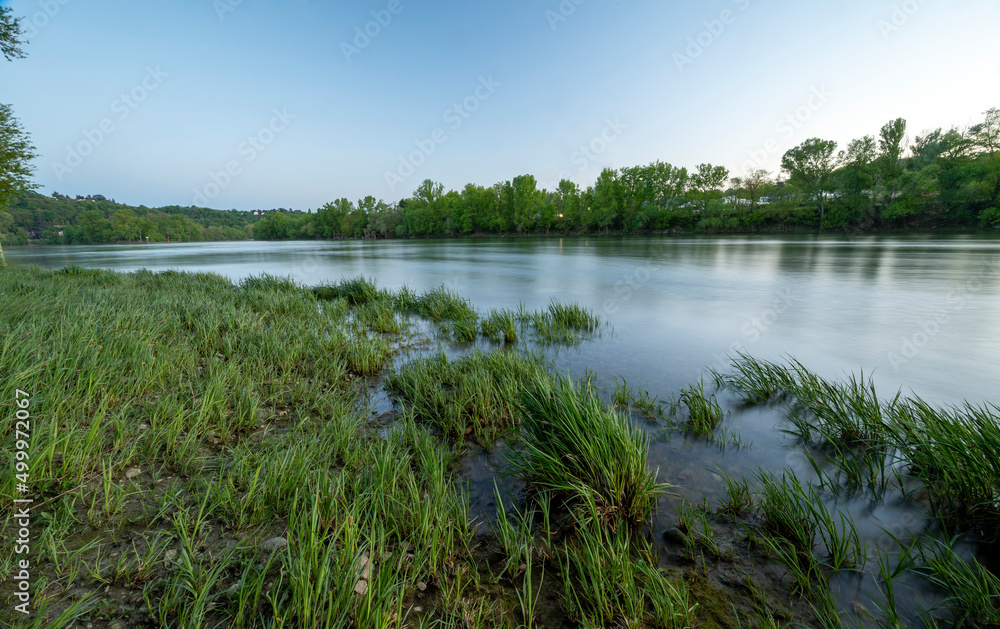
[[59, 219]]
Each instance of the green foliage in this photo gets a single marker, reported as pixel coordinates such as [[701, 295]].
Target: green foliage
[[99, 220], [704, 414], [11, 35], [990, 217], [882, 180], [16, 153], [811, 165], [611, 579], [575, 447], [475, 395], [357, 291]]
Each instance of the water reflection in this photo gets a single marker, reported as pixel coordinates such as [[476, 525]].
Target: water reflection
[[919, 311]]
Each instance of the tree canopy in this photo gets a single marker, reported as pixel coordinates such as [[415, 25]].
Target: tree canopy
[[11, 34]]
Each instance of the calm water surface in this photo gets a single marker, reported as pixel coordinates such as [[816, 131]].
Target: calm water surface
[[921, 314]]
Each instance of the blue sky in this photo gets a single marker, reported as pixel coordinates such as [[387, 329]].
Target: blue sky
[[268, 103]]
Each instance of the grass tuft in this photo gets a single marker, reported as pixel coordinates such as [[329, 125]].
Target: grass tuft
[[574, 446]]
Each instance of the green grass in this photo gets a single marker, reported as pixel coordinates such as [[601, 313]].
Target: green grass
[[610, 578], [574, 446], [573, 317], [702, 413], [233, 409], [440, 304], [500, 326], [625, 397], [474, 395], [954, 452], [356, 291], [973, 591], [179, 421]]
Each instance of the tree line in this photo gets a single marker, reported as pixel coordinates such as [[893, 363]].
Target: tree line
[[880, 181], [96, 220]]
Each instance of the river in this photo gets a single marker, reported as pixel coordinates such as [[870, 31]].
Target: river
[[916, 313], [920, 313]]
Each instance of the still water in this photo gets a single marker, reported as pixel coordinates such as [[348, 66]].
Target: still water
[[917, 314]]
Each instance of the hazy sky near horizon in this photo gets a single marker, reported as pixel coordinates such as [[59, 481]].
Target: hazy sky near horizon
[[293, 103]]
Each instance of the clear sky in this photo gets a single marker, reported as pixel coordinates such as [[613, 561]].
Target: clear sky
[[150, 102]]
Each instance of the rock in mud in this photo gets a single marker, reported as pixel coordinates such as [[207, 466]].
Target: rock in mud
[[274, 543], [361, 587], [365, 568], [674, 535]]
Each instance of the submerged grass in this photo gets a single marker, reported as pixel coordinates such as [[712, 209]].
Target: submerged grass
[[625, 397], [178, 421], [356, 291], [703, 414], [574, 446], [474, 395], [198, 459], [948, 458], [500, 326], [610, 578], [954, 452]]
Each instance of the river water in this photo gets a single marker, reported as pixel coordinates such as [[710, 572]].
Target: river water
[[917, 313]]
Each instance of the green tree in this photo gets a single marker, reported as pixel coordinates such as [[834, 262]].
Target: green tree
[[986, 137], [479, 206], [334, 219], [16, 150], [567, 210], [891, 145], [274, 226], [385, 219], [855, 181], [11, 35], [96, 228], [527, 203], [707, 182], [607, 201], [126, 225], [422, 213], [752, 186], [16, 153], [810, 165], [6, 227]]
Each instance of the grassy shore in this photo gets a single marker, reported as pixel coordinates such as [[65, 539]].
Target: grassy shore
[[202, 453]]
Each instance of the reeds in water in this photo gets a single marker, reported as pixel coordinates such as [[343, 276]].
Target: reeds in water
[[574, 446]]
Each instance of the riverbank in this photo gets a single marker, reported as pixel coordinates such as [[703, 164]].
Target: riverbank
[[947, 230], [204, 451]]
